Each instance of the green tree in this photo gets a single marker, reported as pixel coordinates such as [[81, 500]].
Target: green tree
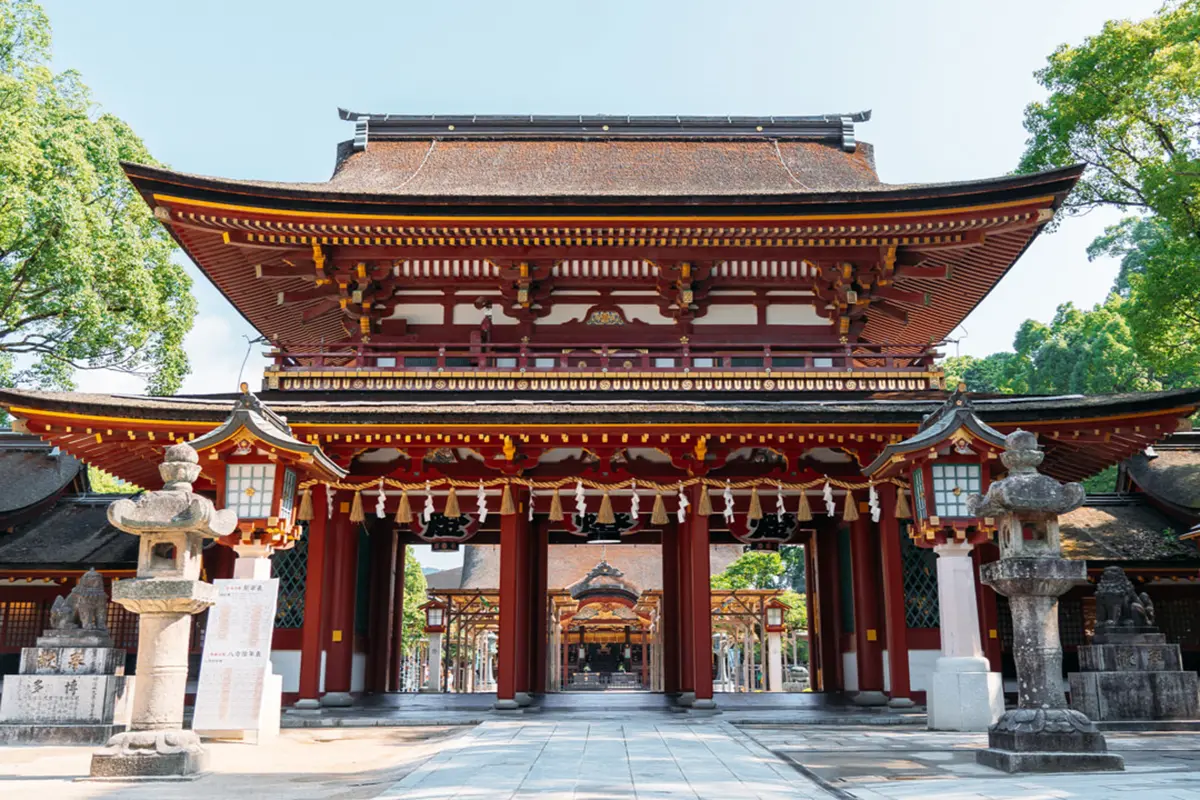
[[414, 597], [1126, 103], [756, 569], [86, 277], [794, 570], [103, 483], [796, 617]]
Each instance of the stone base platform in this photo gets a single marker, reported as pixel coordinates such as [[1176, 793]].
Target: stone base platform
[[1128, 695], [1150, 725], [1013, 762], [40, 733], [150, 755]]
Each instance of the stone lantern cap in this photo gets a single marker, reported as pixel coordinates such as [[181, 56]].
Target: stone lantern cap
[[175, 508], [1025, 490]]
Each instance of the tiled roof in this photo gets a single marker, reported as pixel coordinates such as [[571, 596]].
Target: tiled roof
[[1125, 528], [74, 534], [32, 471]]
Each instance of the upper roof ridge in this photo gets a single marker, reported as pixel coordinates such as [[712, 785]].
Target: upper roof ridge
[[835, 128]]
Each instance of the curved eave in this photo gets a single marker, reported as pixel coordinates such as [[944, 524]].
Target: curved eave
[[921, 443], [311, 456], [320, 199]]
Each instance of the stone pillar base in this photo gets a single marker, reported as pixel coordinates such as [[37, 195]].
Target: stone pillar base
[[963, 695], [506, 705], [686, 698], [149, 755], [870, 698], [337, 700], [1047, 740], [901, 702], [523, 699]]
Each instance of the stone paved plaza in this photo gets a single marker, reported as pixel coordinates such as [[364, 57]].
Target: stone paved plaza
[[640, 756]]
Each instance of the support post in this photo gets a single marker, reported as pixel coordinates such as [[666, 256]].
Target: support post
[[896, 622], [774, 662], [340, 660], [314, 607], [513, 578], [964, 695], [868, 647], [829, 602], [383, 544], [669, 613], [434, 684], [699, 576]]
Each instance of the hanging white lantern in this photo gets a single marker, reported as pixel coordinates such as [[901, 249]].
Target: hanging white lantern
[[779, 509], [427, 512], [727, 496], [380, 499], [481, 503], [681, 514], [830, 506], [634, 501], [873, 503]]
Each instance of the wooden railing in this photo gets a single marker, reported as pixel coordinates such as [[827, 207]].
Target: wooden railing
[[667, 359]]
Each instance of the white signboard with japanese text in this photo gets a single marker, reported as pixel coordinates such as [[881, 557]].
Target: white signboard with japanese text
[[236, 664]]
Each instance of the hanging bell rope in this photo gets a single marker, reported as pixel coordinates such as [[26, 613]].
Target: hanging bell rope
[[804, 512], [605, 515], [659, 514], [452, 511], [902, 509], [404, 513], [850, 513], [556, 509], [356, 508], [704, 508], [305, 514], [755, 512], [507, 508]]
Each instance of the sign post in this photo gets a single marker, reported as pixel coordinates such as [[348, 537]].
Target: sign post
[[238, 694]]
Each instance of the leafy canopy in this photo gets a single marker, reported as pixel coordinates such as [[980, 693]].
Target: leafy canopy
[[415, 588], [756, 569], [86, 277]]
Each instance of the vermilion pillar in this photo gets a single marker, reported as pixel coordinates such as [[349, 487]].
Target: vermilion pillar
[[687, 675], [829, 603], [699, 575], [864, 549], [513, 577], [397, 660], [340, 660], [669, 610], [893, 598], [988, 612], [314, 599], [811, 610], [383, 556], [540, 627]]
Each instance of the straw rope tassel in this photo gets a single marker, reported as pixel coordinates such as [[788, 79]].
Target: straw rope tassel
[[659, 515], [404, 512], [507, 508], [902, 509], [452, 511], [804, 512], [851, 512], [705, 507], [755, 511], [356, 509], [305, 514], [605, 515], [556, 512]]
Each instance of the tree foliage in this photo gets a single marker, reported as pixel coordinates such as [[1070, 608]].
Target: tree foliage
[[86, 277], [103, 483], [756, 569], [415, 588], [1126, 103]]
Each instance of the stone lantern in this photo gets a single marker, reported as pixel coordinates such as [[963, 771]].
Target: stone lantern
[[257, 465], [173, 524], [1042, 734], [950, 458]]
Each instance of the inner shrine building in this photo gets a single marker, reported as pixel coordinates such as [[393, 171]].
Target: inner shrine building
[[679, 333]]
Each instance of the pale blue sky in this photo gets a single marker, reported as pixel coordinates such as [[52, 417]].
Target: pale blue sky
[[250, 90]]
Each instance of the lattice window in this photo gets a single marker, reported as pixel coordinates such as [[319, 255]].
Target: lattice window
[[22, 623], [290, 567], [952, 485], [123, 625], [1179, 619], [1004, 624], [248, 489], [1071, 622], [920, 584]]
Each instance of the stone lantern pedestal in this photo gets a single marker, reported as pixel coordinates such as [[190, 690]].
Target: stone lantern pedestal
[[1042, 734], [173, 524]]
